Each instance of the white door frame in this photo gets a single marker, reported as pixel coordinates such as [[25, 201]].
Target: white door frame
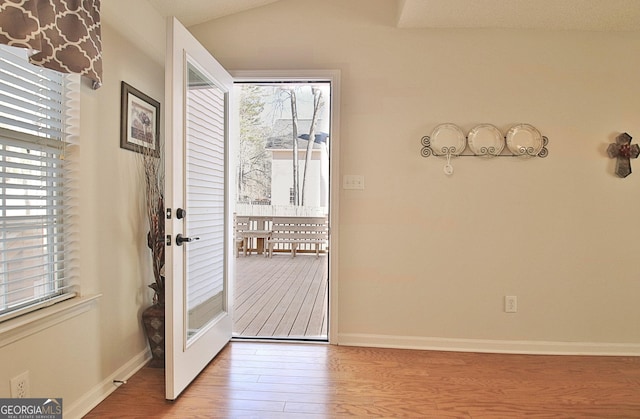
[[332, 76]]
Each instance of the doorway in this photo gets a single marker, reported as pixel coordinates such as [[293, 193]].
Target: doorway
[[282, 167]]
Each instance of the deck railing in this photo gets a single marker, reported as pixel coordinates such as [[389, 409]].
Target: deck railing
[[261, 219], [279, 210]]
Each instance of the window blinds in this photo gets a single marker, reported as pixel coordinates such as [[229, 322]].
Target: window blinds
[[205, 194], [32, 189]]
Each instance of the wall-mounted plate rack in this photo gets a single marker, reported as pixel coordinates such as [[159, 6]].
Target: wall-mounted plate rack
[[485, 140]]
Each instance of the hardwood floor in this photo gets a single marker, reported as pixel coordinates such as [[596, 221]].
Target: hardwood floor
[[281, 297], [282, 380]]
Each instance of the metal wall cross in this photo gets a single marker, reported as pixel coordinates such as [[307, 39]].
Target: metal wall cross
[[624, 152]]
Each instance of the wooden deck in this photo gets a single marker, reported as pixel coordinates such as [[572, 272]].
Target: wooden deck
[[281, 297]]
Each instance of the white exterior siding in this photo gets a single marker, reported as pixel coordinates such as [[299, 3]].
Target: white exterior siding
[[317, 188]]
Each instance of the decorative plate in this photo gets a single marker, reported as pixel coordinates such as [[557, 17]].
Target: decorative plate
[[486, 140], [524, 140], [447, 139]]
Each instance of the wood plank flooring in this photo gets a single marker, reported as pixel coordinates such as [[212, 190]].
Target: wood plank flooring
[[289, 380], [281, 296]]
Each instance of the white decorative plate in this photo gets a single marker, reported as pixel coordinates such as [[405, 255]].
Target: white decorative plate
[[486, 140], [448, 139], [524, 140]]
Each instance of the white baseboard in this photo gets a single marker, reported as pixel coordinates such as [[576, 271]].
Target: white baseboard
[[100, 392], [490, 346]]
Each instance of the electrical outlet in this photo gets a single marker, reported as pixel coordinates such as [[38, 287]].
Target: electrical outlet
[[511, 304], [20, 386]]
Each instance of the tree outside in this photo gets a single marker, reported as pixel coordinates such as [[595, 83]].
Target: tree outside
[[253, 161], [283, 125]]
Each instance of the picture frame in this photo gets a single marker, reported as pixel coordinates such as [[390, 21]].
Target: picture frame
[[139, 121]]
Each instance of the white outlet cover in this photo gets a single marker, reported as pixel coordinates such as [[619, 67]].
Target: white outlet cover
[[20, 388], [511, 304]]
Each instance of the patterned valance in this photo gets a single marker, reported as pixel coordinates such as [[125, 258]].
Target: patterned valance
[[64, 34]]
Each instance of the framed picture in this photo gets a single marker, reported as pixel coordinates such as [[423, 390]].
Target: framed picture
[[139, 122]]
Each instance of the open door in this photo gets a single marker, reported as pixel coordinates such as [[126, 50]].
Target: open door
[[198, 309]]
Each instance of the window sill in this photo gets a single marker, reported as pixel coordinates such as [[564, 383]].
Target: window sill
[[23, 326]]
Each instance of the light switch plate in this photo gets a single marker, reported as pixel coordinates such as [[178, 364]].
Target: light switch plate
[[353, 182]]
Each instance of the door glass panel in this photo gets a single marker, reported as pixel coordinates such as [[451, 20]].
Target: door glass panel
[[205, 201]]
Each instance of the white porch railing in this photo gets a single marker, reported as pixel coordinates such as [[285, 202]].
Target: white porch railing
[[280, 211]]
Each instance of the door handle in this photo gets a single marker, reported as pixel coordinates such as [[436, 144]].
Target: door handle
[[181, 239]]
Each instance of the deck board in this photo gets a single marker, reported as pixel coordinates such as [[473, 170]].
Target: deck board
[[281, 297], [301, 323], [318, 320], [266, 296]]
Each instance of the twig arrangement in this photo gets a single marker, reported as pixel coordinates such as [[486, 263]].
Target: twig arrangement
[[153, 171]]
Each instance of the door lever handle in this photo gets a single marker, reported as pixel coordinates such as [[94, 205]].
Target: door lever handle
[[181, 239]]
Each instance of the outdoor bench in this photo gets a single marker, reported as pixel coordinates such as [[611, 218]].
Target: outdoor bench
[[296, 231]]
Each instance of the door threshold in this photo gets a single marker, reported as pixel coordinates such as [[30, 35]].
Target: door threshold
[[278, 340]]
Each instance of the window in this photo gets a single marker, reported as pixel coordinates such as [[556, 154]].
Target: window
[[33, 188]]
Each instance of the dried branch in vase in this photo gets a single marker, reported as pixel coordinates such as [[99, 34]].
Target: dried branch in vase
[[153, 168]]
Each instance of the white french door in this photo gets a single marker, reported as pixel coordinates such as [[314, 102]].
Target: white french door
[[197, 266]]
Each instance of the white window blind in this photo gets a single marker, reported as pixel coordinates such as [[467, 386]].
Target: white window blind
[[205, 195], [32, 185]]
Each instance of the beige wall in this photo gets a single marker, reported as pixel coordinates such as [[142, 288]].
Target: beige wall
[[426, 259], [423, 257], [78, 358]]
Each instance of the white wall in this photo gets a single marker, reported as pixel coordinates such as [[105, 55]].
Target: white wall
[[77, 359], [557, 232], [426, 259]]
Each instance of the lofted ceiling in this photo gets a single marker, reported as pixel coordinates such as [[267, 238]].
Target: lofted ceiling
[[590, 15], [192, 12]]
